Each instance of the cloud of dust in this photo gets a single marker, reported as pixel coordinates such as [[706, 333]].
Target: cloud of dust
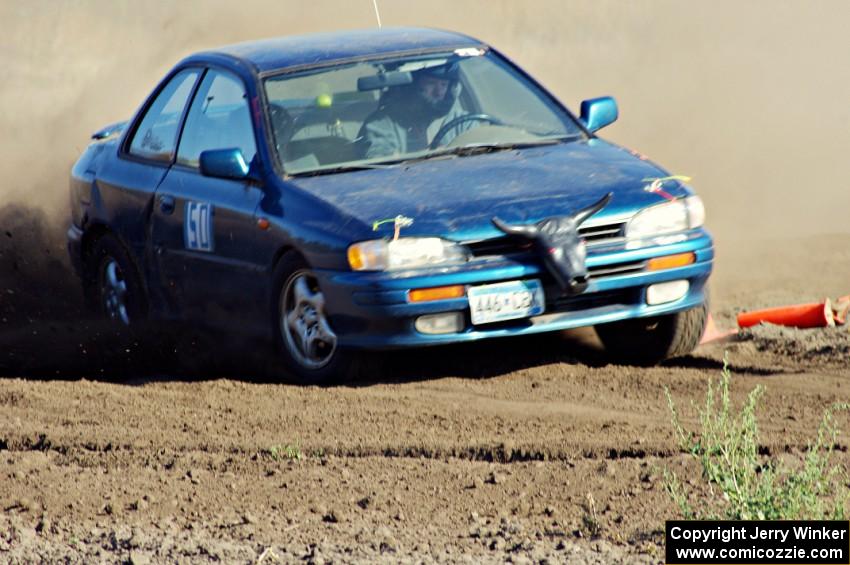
[[747, 98]]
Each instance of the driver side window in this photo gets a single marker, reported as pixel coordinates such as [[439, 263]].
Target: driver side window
[[219, 118]]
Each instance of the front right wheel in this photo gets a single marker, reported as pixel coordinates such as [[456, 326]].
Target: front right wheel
[[647, 341]]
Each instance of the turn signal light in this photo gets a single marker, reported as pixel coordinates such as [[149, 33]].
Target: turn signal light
[[670, 261], [436, 293]]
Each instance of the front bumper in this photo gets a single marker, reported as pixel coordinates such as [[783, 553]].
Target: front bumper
[[370, 309]]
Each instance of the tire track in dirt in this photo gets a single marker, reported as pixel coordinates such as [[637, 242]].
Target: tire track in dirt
[[492, 463], [557, 412]]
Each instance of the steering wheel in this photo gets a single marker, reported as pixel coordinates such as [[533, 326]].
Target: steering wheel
[[453, 123]]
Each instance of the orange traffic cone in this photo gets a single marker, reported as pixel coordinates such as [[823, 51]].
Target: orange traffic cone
[[711, 332], [818, 315], [842, 309]]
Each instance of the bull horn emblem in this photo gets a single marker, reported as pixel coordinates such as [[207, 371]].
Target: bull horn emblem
[[557, 241]]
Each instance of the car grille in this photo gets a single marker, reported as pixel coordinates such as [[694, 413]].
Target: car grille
[[510, 244], [616, 269], [506, 245], [603, 232], [593, 235], [625, 296]]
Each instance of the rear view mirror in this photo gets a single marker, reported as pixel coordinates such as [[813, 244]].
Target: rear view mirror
[[597, 113], [382, 80], [224, 163]]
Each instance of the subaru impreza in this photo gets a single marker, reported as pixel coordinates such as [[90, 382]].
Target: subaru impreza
[[380, 189]]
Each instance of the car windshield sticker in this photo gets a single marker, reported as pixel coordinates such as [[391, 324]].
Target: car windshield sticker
[[197, 226], [469, 52]]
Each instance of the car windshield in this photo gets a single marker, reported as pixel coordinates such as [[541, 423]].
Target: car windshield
[[385, 112]]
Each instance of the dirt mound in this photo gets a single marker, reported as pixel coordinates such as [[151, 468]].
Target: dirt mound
[[816, 347]]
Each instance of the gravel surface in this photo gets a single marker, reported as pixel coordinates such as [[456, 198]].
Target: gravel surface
[[192, 450]]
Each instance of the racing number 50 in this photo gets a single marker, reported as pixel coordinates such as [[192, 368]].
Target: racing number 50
[[197, 230]]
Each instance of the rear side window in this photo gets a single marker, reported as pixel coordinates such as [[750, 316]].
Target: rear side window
[[219, 118], [156, 136]]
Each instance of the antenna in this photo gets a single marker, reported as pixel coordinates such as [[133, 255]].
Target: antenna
[[377, 13]]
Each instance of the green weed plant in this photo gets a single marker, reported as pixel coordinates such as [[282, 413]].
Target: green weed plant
[[289, 452], [745, 484]]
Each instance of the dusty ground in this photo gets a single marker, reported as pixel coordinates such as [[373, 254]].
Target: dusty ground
[[113, 450]]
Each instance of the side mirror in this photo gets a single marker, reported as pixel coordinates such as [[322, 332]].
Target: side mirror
[[224, 163], [597, 113]]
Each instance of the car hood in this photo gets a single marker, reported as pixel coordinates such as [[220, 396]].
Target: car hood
[[456, 197]]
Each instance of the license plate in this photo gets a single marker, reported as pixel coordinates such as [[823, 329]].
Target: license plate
[[505, 301]]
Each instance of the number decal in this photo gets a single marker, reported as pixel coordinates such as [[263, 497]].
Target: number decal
[[197, 226]]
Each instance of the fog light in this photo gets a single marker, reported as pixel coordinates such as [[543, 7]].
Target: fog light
[[451, 322], [666, 292]]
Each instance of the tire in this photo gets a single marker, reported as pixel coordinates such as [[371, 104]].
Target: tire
[[648, 341], [113, 286], [303, 336]]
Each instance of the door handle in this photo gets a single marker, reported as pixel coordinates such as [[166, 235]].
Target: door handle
[[166, 204]]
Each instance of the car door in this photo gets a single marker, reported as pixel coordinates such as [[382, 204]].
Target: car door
[[125, 186], [203, 228]]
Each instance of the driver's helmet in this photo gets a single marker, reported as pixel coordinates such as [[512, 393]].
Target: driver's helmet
[[436, 86], [447, 71]]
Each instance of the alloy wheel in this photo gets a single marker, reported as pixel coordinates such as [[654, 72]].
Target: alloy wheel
[[304, 324], [114, 295]]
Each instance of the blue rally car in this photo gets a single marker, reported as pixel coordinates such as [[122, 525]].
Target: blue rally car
[[382, 189]]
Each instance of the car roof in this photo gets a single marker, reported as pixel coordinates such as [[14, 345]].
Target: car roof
[[321, 48]]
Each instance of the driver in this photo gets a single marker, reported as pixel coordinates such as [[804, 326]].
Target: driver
[[409, 116]]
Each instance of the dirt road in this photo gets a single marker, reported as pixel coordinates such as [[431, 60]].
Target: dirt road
[[113, 450], [486, 452]]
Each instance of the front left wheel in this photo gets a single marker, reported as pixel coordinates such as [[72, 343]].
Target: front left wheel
[[302, 328]]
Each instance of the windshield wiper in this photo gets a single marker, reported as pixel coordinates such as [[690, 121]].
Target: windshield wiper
[[343, 168], [481, 148], [448, 152]]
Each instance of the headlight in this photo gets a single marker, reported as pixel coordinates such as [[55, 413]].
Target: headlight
[[678, 215], [404, 253]]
